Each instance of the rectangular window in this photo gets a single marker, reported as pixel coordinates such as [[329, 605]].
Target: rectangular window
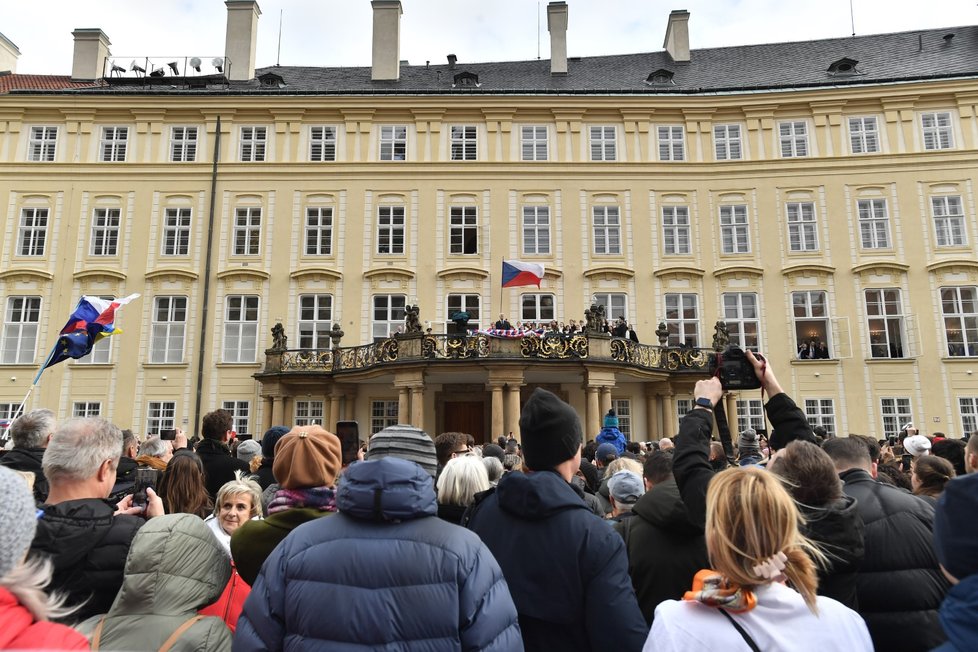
[[253, 142], [463, 230], [794, 139], [727, 142], [383, 414], [183, 144], [536, 230], [743, 322], [240, 328], [161, 415], [247, 231], [533, 143], [319, 231], [675, 230], [20, 330], [32, 235], [811, 318], [623, 410], [113, 145], [864, 135], [948, 221], [750, 414], [308, 413], [937, 129], [393, 143], [390, 230], [86, 409], [874, 224], [7, 411], [682, 320], [176, 232], [537, 308], [240, 412], [462, 303], [802, 230], [821, 412], [672, 145], [464, 142], [315, 320], [969, 415], [388, 315], [43, 144], [959, 306], [615, 304], [734, 231], [607, 230], [105, 232], [169, 328], [604, 144], [896, 414], [322, 143], [884, 312], [683, 407]]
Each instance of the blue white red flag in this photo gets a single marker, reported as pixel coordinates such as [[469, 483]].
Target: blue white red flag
[[517, 273], [92, 320]]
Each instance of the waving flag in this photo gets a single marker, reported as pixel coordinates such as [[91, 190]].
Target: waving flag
[[92, 320], [517, 273]]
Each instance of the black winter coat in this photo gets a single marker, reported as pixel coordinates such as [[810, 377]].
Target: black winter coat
[[900, 586], [264, 473], [219, 465], [28, 459], [838, 531]]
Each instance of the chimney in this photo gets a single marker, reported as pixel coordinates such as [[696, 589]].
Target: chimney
[[91, 51], [677, 35], [241, 39], [9, 53], [452, 60], [557, 26], [387, 40]]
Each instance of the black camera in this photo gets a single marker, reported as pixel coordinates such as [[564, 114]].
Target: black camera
[[734, 369]]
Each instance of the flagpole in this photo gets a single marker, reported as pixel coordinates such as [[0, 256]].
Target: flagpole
[[37, 378]]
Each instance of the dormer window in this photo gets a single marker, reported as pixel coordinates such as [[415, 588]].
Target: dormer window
[[844, 66], [271, 80], [465, 80], [660, 77]]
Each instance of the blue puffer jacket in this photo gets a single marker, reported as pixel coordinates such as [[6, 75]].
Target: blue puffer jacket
[[959, 616], [384, 573]]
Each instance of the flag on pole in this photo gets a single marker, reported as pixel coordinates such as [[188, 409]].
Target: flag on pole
[[92, 320], [517, 273]]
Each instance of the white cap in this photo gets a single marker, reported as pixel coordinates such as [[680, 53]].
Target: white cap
[[917, 445]]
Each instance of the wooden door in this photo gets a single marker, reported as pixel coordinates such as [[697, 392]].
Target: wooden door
[[467, 417]]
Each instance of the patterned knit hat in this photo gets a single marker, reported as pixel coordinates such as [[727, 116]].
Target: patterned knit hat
[[407, 443], [18, 519]]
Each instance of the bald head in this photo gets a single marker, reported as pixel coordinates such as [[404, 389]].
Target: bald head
[[971, 454]]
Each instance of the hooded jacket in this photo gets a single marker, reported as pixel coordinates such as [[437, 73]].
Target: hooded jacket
[[838, 531], [175, 567], [567, 569], [20, 631], [382, 573], [28, 459], [959, 616]]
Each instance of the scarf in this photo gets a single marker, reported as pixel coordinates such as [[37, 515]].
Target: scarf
[[714, 590], [321, 498]]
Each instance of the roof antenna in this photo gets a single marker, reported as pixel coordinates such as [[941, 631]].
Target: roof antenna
[[538, 30], [278, 55], [852, 18]]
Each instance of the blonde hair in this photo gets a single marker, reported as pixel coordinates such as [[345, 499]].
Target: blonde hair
[[461, 479], [255, 463], [27, 581], [239, 486], [750, 517], [623, 464]]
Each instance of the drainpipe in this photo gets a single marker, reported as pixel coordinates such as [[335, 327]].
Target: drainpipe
[[205, 308]]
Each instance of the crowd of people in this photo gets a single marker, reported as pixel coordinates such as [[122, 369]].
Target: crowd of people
[[796, 541], [616, 328]]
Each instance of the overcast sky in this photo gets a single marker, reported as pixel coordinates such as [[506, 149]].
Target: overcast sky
[[338, 32]]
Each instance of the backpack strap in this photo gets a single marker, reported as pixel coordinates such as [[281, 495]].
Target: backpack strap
[[178, 632], [97, 634], [740, 630]]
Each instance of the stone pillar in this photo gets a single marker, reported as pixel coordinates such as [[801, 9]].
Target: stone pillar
[[668, 415], [334, 409], [592, 417], [498, 412], [512, 410], [403, 404], [277, 411], [266, 417], [605, 400], [417, 407], [652, 426], [731, 409]]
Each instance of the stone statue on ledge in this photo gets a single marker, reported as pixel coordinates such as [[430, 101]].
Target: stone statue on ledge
[[412, 321], [594, 319], [721, 336], [662, 333], [336, 334], [280, 341]]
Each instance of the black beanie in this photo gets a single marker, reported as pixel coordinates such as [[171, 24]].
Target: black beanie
[[550, 431]]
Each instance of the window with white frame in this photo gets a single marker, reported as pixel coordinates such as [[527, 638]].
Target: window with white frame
[[105, 231], [33, 232], [113, 144], [464, 141], [308, 413], [675, 230], [240, 412], [811, 321], [43, 144], [86, 409], [623, 410], [247, 231], [315, 320], [322, 143], [101, 352], [607, 230], [884, 313], [537, 308], [683, 407], [393, 142], [864, 137], [937, 129], [959, 306], [615, 304], [741, 315], [468, 303], [734, 230], [874, 224], [672, 145], [728, 143], [388, 315], [533, 142], [161, 415], [802, 228], [383, 414], [968, 405], [682, 319], [7, 411], [240, 328], [176, 232], [794, 138], [319, 231], [750, 414], [948, 220], [536, 230], [896, 413], [604, 143], [390, 230], [821, 412], [168, 329], [253, 144], [463, 230], [20, 325], [183, 144]]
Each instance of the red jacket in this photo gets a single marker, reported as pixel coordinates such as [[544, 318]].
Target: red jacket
[[228, 607], [19, 630]]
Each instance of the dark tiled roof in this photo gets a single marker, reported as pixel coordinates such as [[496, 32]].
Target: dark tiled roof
[[40, 83]]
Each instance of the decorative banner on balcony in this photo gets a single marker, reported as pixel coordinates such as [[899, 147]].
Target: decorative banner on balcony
[[517, 273]]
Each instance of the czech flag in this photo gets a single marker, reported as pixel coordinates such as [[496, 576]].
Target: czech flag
[[517, 273], [92, 320]]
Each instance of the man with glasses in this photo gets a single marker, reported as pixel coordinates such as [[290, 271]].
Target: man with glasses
[[449, 445]]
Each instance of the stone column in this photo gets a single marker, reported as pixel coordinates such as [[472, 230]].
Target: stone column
[[403, 404], [266, 420], [593, 416], [417, 407], [652, 426], [605, 401], [334, 409], [731, 408], [512, 410], [498, 412], [668, 415]]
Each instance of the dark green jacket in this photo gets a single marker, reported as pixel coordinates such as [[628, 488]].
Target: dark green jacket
[[253, 542]]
